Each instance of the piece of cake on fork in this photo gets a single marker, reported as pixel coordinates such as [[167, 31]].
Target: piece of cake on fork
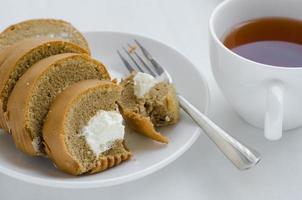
[[147, 103]]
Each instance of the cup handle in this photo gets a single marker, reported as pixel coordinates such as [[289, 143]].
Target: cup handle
[[274, 112]]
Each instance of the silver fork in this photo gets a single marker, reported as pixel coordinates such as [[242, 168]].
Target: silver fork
[[240, 155]]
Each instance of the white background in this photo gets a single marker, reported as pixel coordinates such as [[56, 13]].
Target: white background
[[202, 172]]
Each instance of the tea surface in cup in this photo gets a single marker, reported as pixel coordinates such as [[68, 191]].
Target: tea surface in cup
[[274, 41]]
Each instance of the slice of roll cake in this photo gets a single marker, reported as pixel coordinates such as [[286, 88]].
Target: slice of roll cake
[[36, 89], [51, 28], [23, 56], [147, 103], [83, 132]]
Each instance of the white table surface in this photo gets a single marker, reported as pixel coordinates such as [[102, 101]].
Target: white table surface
[[202, 172]]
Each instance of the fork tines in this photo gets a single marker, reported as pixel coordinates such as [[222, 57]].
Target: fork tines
[[142, 62]]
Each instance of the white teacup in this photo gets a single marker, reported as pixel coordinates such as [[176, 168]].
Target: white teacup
[[264, 95]]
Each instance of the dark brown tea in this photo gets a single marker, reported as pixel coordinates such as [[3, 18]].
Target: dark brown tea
[[273, 41]]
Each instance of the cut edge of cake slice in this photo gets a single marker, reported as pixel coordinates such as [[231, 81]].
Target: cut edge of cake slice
[[147, 103], [69, 144]]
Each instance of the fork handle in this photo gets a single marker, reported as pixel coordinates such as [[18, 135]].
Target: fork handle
[[240, 155]]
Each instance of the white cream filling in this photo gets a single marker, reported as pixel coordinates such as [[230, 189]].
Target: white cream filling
[[36, 144], [143, 83], [103, 129]]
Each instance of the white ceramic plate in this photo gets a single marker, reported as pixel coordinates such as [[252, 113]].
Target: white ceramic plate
[[149, 156]]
